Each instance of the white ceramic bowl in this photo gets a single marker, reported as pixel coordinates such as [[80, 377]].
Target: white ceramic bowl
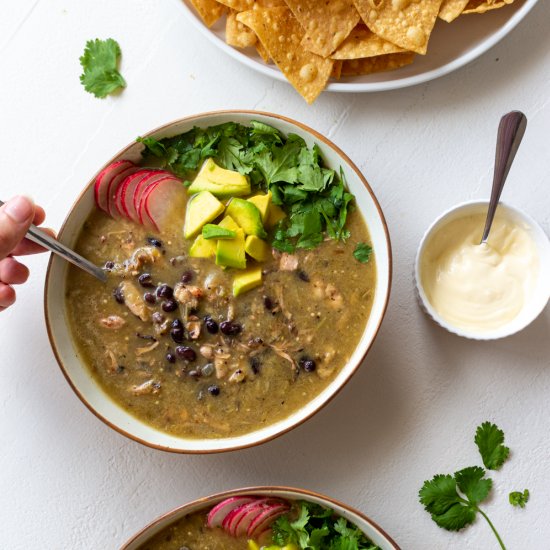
[[541, 294], [373, 531], [451, 46], [79, 376]]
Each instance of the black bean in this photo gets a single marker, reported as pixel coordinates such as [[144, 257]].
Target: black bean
[[109, 265], [255, 365], [214, 390], [170, 357], [307, 363], [177, 335], [118, 295], [176, 323], [230, 328], [150, 298], [186, 353], [268, 303], [158, 317], [211, 325], [155, 242], [169, 305], [194, 373], [303, 276], [146, 280], [187, 276], [165, 291]]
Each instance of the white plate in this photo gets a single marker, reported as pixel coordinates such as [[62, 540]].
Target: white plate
[[451, 46]]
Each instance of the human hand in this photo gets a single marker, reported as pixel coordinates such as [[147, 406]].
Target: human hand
[[16, 216]]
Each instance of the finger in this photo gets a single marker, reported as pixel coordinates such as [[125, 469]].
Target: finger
[[26, 247], [15, 218], [7, 296], [13, 272], [39, 215]]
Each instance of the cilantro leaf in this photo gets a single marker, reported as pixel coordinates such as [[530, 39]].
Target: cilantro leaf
[[517, 498], [99, 62], [362, 252], [489, 439], [471, 481]]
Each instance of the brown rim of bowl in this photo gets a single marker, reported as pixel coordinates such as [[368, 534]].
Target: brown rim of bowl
[[265, 439], [259, 489]]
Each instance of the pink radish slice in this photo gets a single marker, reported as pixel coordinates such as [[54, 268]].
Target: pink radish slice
[[238, 527], [218, 513], [139, 189], [132, 179], [160, 199], [103, 180], [266, 518], [232, 519], [113, 187]]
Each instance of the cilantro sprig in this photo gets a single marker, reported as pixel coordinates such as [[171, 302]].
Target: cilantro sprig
[[99, 63], [314, 196], [489, 439], [316, 528], [517, 498], [362, 252]]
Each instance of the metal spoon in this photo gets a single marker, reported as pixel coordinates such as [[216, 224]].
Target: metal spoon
[[510, 133], [38, 236]]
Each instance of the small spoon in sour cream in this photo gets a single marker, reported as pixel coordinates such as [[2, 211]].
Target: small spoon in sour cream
[[510, 133]]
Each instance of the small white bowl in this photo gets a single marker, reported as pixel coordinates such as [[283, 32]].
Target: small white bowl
[[541, 293], [371, 529]]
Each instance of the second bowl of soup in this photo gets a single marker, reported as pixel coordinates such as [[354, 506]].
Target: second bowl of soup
[[249, 268]]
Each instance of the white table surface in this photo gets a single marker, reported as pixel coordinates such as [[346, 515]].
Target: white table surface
[[67, 481]]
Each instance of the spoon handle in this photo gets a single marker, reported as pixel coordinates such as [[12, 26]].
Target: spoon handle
[[510, 133], [38, 236]]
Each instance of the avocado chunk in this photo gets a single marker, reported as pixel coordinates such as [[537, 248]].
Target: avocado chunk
[[201, 209], [247, 216], [247, 280], [230, 252], [262, 203], [256, 248], [219, 181], [212, 231], [201, 248], [229, 223], [274, 216]]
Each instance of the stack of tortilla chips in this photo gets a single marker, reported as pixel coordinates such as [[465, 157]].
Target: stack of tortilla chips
[[313, 40]]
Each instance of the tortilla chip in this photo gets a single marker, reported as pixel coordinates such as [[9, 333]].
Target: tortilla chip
[[364, 43], [482, 6], [270, 3], [209, 10], [368, 65], [262, 52], [407, 23], [281, 35], [451, 9], [237, 34], [238, 5], [336, 70], [327, 23]]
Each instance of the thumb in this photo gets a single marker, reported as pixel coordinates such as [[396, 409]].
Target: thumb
[[15, 218]]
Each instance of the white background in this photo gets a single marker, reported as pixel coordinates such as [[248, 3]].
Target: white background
[[69, 482]]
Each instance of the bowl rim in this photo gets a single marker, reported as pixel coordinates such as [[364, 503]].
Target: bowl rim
[[297, 492], [495, 334], [189, 119]]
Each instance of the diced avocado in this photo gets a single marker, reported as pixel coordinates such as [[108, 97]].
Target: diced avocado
[[219, 181], [262, 203], [201, 209], [256, 248], [275, 215], [230, 252], [247, 216], [202, 248], [229, 223], [212, 231], [252, 545], [247, 280]]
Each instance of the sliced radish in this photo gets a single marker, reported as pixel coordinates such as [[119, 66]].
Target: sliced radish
[[103, 181], [129, 181], [266, 518], [113, 187], [218, 513], [160, 199], [239, 525], [139, 189]]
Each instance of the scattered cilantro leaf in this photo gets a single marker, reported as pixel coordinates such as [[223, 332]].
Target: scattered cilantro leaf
[[517, 498], [314, 197], [362, 252], [100, 62], [489, 439]]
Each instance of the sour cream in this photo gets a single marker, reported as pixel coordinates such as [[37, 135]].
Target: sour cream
[[479, 287]]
